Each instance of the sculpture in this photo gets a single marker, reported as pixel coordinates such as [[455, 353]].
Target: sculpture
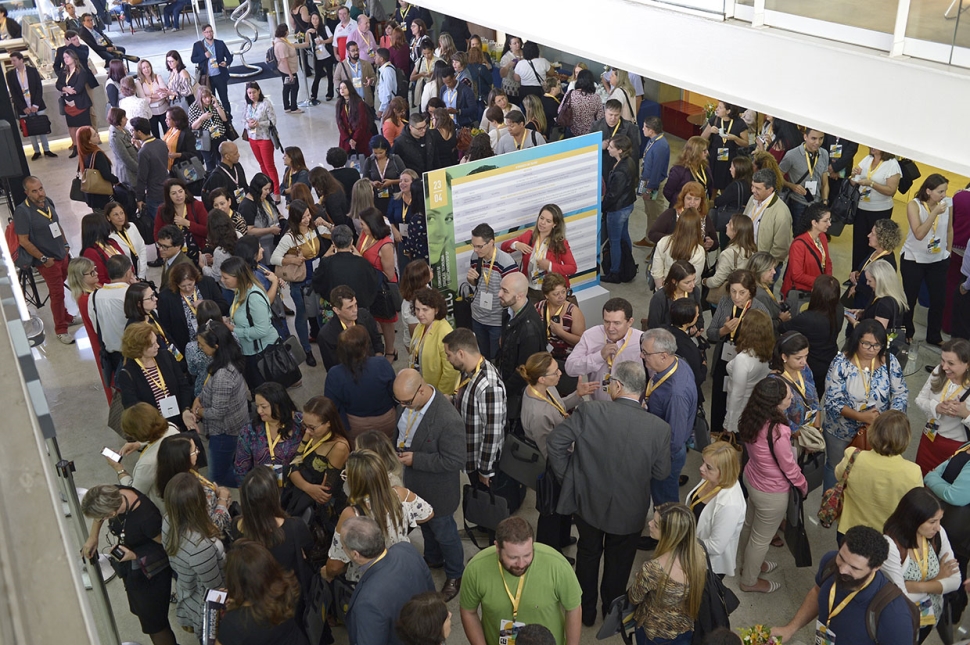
[[239, 17]]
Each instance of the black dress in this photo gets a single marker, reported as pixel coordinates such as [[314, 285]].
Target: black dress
[[80, 99], [148, 593], [240, 627], [323, 518], [721, 152]]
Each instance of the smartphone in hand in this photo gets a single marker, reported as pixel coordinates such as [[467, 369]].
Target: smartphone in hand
[[112, 455]]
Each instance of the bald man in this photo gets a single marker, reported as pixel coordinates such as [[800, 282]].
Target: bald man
[[430, 444], [522, 336], [228, 174]]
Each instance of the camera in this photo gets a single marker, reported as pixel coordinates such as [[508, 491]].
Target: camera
[[784, 306], [556, 319], [606, 381], [117, 552]]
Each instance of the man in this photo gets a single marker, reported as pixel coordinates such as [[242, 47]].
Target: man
[[481, 402], [214, 59], [430, 443], [406, 13], [534, 634], [389, 578], [71, 22], [489, 265], [386, 81], [342, 33], [27, 96], [523, 336], [516, 136], [516, 582], [172, 14], [771, 217], [337, 158], [359, 73], [346, 314], [603, 346], [671, 394], [415, 147], [98, 41], [106, 307], [346, 267], [152, 166], [847, 582], [602, 454], [459, 99], [656, 159], [40, 236], [366, 43], [169, 242], [228, 174], [806, 169], [611, 125]]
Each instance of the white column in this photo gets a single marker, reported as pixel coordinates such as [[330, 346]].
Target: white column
[[899, 32], [758, 20]]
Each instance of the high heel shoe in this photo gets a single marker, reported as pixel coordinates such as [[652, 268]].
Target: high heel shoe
[[73, 152]]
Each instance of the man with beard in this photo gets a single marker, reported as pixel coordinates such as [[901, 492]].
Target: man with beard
[[849, 587], [519, 582]]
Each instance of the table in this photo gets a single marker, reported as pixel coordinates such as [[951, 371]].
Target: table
[[681, 118], [148, 6]]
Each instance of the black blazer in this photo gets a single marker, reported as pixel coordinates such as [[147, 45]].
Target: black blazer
[[171, 313], [347, 269], [136, 389], [223, 55], [34, 84], [327, 337], [82, 52], [78, 81], [185, 146], [88, 39], [13, 28]]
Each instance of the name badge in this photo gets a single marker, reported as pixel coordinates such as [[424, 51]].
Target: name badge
[[935, 245], [926, 614], [485, 300], [728, 351], [823, 635], [722, 154], [866, 193], [507, 631], [835, 151], [811, 186], [169, 407], [383, 193], [930, 429], [278, 471], [358, 82], [404, 229], [549, 347], [55, 229], [240, 194]]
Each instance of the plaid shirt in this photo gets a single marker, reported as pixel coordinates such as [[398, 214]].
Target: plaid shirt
[[482, 405], [225, 401]]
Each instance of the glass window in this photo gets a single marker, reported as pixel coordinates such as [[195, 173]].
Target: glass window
[[934, 22], [875, 16]]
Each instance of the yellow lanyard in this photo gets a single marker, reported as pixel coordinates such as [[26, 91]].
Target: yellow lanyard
[[842, 605], [821, 249], [549, 319], [741, 317], [412, 415], [700, 175], [193, 303], [158, 329], [49, 213], [537, 253], [235, 306], [618, 124], [609, 361], [872, 170], [551, 400], [313, 242], [922, 557], [158, 380], [727, 129], [109, 250], [469, 378], [872, 258], [310, 448], [705, 498], [519, 144], [653, 385], [810, 165], [517, 598], [205, 482], [758, 212], [491, 267], [936, 221], [123, 234], [404, 209], [866, 377], [798, 382], [419, 346], [272, 442]]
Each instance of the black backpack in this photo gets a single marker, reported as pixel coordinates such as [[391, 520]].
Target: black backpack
[[628, 264], [271, 61], [888, 593], [403, 83]]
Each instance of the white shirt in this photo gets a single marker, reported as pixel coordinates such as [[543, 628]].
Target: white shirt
[[321, 50], [743, 373], [110, 301], [919, 250], [344, 31], [952, 428], [873, 200], [412, 418], [527, 77], [719, 527]]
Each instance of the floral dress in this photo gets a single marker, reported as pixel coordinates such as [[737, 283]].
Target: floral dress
[[804, 407], [845, 385], [252, 449]]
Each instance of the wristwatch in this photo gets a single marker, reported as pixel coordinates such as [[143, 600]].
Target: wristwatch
[[43, 259]]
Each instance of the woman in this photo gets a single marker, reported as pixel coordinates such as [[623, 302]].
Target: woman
[[542, 410], [821, 324], [427, 351], [480, 73], [181, 149], [323, 60], [445, 138], [179, 82], [185, 211], [723, 328], [250, 315], [222, 200], [377, 247], [877, 177], [262, 599], [112, 85], [72, 84], [581, 106], [621, 89], [196, 361], [511, 55], [273, 436], [260, 119], [178, 455], [755, 344], [884, 239], [809, 255], [207, 114], [362, 385], [718, 506], [530, 71], [685, 315], [82, 280], [132, 103], [379, 443], [136, 524], [446, 47], [735, 196], [179, 300], [740, 248], [423, 71], [762, 267], [394, 119], [942, 400], [419, 33], [221, 239], [926, 254], [397, 46], [790, 363], [124, 151], [96, 244], [140, 307], [417, 275], [770, 473], [479, 148], [192, 543], [692, 165], [260, 212], [691, 195], [499, 99], [353, 121], [565, 324], [863, 381], [147, 429], [406, 214], [314, 476], [685, 244], [151, 87], [618, 202], [396, 510], [288, 66], [330, 196], [383, 170], [424, 620], [888, 300], [668, 589], [544, 250], [680, 282], [726, 132], [153, 377], [127, 238], [296, 172], [950, 482], [252, 255]]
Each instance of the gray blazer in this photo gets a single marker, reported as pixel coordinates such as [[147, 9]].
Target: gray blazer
[[619, 448], [125, 154], [439, 456]]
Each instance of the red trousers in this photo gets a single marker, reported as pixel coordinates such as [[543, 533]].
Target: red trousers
[[55, 277], [263, 150]]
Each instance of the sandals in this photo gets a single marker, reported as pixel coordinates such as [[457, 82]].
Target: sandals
[[772, 587], [777, 541], [768, 567]]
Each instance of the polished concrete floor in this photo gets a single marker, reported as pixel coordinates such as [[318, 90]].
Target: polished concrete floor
[[70, 379]]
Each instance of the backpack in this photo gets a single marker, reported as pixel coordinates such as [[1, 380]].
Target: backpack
[[403, 83], [888, 593], [21, 260], [628, 264], [271, 61]]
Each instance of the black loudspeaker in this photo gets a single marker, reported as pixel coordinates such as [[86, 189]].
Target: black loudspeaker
[[9, 143], [13, 162]]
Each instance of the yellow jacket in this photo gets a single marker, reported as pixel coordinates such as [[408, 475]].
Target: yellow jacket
[[435, 368], [876, 484]]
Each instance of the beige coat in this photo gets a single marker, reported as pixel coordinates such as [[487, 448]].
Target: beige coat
[[774, 232]]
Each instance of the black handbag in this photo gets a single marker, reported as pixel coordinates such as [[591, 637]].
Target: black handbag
[[845, 205], [145, 223], [521, 460], [276, 362], [721, 215], [702, 430], [548, 490], [717, 604], [77, 195], [482, 508], [343, 590], [795, 536], [318, 601], [35, 124], [389, 300], [189, 170], [231, 133], [812, 465], [463, 306]]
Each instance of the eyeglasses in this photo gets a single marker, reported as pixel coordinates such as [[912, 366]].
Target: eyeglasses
[[870, 346], [165, 246], [408, 403], [479, 247], [92, 273], [645, 353], [555, 372], [195, 451], [151, 297]]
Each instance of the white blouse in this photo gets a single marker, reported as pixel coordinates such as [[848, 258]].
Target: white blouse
[[953, 428], [919, 250], [873, 200], [899, 570], [743, 373]]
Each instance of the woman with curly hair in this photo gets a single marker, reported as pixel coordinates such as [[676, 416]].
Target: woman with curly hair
[[544, 249], [770, 473], [755, 344], [479, 148], [692, 165], [884, 238], [691, 195], [686, 244]]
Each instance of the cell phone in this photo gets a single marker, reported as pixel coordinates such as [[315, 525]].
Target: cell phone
[[117, 552], [556, 319], [851, 316], [112, 455], [606, 381]]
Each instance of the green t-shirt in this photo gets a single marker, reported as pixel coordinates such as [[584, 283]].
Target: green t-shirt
[[550, 589]]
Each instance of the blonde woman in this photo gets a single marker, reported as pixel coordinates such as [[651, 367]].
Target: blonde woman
[[740, 230], [692, 165], [622, 90], [718, 506], [888, 302], [150, 86], [535, 116], [685, 243]]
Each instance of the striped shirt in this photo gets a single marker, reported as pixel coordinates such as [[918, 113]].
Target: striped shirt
[[156, 381], [199, 563], [504, 265]]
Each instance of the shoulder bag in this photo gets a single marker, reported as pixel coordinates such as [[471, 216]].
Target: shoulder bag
[[565, 116], [521, 460], [721, 215], [832, 499], [276, 362], [92, 183], [35, 124], [189, 170], [795, 535], [482, 508], [293, 273]]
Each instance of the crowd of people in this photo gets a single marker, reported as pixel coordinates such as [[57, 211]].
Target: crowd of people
[[744, 296]]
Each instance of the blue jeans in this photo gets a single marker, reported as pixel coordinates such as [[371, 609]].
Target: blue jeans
[[222, 453], [834, 453], [619, 232], [172, 12], [668, 490], [299, 320], [442, 543], [680, 639], [488, 337]]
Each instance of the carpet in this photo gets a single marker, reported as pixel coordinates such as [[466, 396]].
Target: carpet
[[265, 74]]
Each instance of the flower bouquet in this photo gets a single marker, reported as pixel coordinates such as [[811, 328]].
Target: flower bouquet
[[759, 635]]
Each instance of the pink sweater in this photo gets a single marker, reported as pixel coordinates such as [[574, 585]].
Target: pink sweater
[[762, 471]]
